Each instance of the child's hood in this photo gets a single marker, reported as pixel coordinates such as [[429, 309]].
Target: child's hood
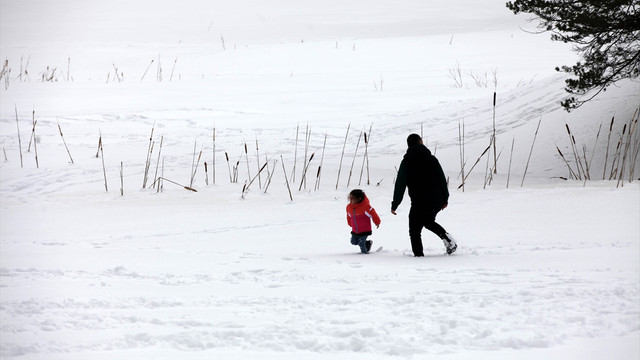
[[363, 204]]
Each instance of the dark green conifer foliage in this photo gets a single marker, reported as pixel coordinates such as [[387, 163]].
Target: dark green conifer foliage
[[605, 33]]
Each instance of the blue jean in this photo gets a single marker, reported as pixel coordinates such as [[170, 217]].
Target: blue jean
[[360, 240]]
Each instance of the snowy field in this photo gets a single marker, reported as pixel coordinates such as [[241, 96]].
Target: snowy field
[[546, 267]]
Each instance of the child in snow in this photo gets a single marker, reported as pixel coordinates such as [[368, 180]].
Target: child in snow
[[359, 216]]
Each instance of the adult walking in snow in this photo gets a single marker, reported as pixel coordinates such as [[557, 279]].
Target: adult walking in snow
[[422, 174]]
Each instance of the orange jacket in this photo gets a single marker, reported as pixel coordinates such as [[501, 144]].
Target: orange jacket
[[359, 217]]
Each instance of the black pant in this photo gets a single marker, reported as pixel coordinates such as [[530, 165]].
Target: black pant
[[420, 217]]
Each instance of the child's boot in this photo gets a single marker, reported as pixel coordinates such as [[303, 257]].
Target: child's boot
[[368, 244]]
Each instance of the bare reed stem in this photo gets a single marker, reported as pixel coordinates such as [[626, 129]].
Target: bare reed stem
[[319, 174], [148, 161], [495, 159], [355, 155], [145, 72], [206, 174], [195, 167], [35, 141], [246, 154], [258, 163], [285, 178], [228, 167], [121, 179], [155, 176], [304, 172], [19, 141], [573, 174], [104, 170], [342, 155], [65, 144], [172, 69], [173, 182], [606, 158], [464, 179], [275, 162], [461, 149], [365, 158], [513, 141], [531, 152]]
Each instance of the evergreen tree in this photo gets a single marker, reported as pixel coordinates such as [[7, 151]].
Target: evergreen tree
[[606, 34]]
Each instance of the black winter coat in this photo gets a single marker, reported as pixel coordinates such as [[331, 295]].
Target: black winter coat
[[422, 174]]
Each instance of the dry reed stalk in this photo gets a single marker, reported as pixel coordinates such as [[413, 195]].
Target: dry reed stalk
[[33, 130], [206, 174], [573, 174], [285, 178], [98, 151], [104, 170], [160, 183], [616, 157], [636, 148], [153, 145], [228, 167], [173, 182], [513, 141], [579, 166], [319, 173], [145, 72], [464, 179], [155, 176], [246, 154], [121, 179], [307, 141], [495, 159], [486, 170], [195, 167], [117, 75], [304, 172], [65, 144], [365, 158], [632, 125], [461, 149], [244, 188], [159, 70], [275, 162], [342, 155], [4, 151], [257, 176], [531, 152], [148, 161], [236, 170], [586, 164], [35, 141], [355, 155], [606, 158], [594, 148], [172, 69], [490, 174], [258, 162], [20, 141]]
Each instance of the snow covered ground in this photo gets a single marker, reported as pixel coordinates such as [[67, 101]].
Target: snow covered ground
[[549, 269]]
